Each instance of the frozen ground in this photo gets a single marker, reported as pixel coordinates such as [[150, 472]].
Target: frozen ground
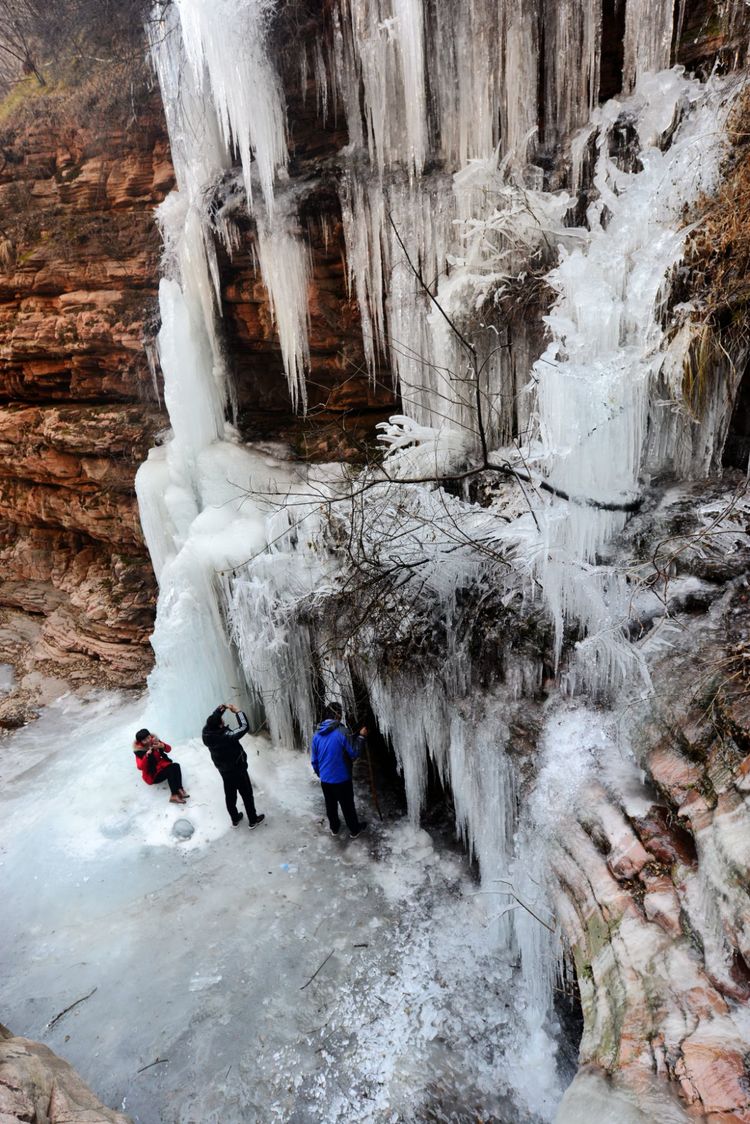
[[6, 678], [201, 951]]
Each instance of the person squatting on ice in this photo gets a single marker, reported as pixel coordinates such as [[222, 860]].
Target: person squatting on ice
[[231, 760], [334, 749], [155, 766]]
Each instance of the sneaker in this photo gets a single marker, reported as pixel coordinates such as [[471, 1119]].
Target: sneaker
[[240, 816], [256, 821], [360, 829], [335, 830]]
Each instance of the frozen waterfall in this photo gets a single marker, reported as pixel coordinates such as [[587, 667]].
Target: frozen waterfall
[[448, 177]]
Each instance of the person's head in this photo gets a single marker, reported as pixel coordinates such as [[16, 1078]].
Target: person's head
[[215, 721], [142, 736], [334, 710]]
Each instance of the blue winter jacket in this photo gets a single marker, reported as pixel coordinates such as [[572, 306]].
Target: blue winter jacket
[[333, 751]]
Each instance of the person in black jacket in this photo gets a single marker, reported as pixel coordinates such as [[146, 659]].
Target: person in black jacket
[[231, 760]]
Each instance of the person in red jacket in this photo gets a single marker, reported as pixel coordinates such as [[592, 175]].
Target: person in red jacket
[[155, 766]]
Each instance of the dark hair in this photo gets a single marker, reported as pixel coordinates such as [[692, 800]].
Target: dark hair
[[142, 735], [214, 721], [333, 710]]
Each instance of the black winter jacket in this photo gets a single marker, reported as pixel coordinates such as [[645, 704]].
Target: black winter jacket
[[224, 744]]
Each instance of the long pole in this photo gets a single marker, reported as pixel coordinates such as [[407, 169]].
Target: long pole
[[371, 771]]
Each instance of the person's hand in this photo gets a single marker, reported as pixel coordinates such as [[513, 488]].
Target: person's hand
[[234, 709]]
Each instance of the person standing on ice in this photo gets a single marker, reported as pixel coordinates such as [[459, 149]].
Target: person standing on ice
[[334, 750], [231, 760], [155, 766]]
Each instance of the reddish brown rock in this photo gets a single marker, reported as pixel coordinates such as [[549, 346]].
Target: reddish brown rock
[[661, 904], [665, 838], [77, 290], [674, 773], [37, 1087], [714, 1078]]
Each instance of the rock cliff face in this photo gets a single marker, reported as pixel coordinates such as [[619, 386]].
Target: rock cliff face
[[79, 407], [79, 256], [37, 1087], [652, 873], [662, 968], [78, 410]]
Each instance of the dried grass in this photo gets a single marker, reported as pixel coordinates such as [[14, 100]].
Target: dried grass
[[718, 264]]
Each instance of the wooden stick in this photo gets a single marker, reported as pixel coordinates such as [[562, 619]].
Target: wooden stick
[[312, 977], [373, 790], [57, 1018], [159, 1061]]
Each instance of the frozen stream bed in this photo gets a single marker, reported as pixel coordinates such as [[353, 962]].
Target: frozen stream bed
[[200, 951]]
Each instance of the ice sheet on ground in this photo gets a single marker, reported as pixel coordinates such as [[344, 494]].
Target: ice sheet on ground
[[201, 950], [6, 678]]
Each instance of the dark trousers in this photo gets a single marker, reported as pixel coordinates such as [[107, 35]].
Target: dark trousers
[[237, 781], [174, 775], [340, 795]]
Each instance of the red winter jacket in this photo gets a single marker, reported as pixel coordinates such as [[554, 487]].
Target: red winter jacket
[[154, 764]]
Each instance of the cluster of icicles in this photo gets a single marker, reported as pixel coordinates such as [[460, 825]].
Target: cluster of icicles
[[235, 532]]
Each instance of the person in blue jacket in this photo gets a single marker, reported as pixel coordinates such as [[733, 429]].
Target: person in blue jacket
[[334, 749]]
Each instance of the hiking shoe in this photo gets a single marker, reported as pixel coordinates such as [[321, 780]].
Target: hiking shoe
[[358, 832], [240, 816], [256, 821], [335, 830]]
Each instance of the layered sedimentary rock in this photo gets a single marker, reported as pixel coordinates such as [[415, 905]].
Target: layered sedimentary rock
[[78, 409], [652, 873]]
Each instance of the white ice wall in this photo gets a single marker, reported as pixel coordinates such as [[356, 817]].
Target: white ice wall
[[440, 101]]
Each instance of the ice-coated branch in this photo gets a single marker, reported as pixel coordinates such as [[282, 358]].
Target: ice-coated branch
[[505, 469]]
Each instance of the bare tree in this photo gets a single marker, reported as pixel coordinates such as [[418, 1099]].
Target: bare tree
[[35, 37]]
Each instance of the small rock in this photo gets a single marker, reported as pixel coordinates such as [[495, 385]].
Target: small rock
[[116, 829]]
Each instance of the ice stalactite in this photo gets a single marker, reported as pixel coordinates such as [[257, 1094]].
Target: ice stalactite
[[225, 45], [224, 99], [488, 70], [285, 267], [648, 38], [222, 96]]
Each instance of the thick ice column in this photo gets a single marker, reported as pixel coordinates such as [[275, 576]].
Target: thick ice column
[[593, 381], [223, 95], [196, 411], [518, 105], [197, 664], [200, 158], [226, 44], [648, 38], [572, 63], [408, 16]]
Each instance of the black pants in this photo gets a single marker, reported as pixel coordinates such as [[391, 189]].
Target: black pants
[[340, 795], [174, 775], [237, 781]]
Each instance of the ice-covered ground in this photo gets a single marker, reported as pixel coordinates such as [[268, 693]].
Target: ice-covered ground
[[6, 678], [201, 951]]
